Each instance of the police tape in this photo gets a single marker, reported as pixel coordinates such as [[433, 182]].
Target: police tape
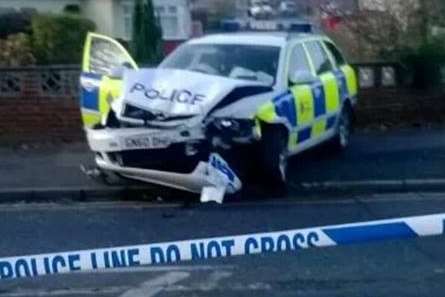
[[201, 249]]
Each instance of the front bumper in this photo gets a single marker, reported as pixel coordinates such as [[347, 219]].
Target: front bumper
[[168, 166], [113, 140]]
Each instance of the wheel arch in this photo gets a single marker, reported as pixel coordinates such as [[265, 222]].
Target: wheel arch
[[263, 126]]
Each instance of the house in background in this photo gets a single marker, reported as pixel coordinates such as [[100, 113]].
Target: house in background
[[115, 17]]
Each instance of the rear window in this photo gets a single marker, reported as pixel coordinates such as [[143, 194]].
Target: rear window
[[336, 54]]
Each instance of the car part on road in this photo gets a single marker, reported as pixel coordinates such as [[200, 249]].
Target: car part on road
[[215, 173]]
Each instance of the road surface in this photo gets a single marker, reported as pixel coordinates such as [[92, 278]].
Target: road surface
[[414, 154], [392, 268]]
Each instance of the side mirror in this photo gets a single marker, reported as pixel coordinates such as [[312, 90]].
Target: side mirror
[[301, 77]]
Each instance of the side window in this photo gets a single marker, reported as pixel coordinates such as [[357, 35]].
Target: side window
[[319, 57], [298, 60], [338, 57], [106, 55]]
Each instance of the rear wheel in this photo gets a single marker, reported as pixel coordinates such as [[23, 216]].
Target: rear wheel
[[274, 154], [344, 129]]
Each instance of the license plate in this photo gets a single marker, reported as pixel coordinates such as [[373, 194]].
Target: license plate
[[147, 142]]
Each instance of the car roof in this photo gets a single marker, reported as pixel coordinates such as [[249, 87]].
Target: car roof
[[276, 38]]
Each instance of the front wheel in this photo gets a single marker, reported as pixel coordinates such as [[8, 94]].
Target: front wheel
[[274, 155]]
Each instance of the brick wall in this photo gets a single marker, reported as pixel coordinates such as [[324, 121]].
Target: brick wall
[[40, 119], [41, 104], [58, 119], [400, 107]]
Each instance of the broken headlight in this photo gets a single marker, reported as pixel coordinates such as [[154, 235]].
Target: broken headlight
[[233, 129]]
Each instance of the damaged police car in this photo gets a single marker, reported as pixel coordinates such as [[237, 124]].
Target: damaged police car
[[217, 107]]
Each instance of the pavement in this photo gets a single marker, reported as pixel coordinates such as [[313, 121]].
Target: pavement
[[390, 268], [400, 160]]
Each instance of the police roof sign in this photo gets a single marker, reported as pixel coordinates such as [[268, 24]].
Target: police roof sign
[[290, 25], [277, 25], [201, 249]]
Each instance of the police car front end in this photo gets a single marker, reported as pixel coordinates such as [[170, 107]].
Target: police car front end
[[178, 125], [181, 142]]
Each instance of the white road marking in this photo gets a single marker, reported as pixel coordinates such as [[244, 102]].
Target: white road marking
[[156, 285], [110, 290], [214, 278], [65, 292]]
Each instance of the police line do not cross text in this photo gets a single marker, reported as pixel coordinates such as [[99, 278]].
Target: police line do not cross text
[[164, 253]]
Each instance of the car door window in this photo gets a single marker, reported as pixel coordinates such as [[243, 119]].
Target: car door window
[[336, 54], [319, 57], [103, 55], [298, 60]]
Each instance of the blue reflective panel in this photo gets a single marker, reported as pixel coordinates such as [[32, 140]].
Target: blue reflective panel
[[285, 107], [90, 99], [304, 134], [343, 87], [330, 122]]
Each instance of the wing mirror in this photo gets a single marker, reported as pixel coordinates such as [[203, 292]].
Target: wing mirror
[[300, 77]]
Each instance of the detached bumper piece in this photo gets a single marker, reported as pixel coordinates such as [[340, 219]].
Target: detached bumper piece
[[212, 179]]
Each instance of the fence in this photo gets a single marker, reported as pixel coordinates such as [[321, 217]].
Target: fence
[[379, 75], [63, 81], [40, 82]]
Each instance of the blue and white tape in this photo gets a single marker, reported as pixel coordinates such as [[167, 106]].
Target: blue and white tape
[[200, 249]]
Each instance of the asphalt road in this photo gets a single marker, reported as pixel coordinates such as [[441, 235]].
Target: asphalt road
[[392, 268]]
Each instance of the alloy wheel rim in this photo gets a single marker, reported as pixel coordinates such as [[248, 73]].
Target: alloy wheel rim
[[344, 131]]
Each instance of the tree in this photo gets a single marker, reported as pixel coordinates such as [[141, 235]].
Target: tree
[[146, 42], [384, 28]]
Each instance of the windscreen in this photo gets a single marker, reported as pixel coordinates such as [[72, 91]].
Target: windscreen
[[246, 62]]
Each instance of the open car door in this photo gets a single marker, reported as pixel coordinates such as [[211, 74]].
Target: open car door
[[104, 60]]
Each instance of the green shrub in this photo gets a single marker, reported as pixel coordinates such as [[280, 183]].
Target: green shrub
[[59, 39], [426, 63], [16, 51]]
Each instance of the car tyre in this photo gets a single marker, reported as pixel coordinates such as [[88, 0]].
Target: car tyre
[[274, 156], [344, 129]]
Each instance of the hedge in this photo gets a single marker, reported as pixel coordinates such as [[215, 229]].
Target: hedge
[[59, 39]]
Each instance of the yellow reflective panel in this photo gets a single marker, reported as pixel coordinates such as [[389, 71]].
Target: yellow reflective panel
[[332, 95], [351, 80], [267, 113], [109, 90], [304, 104], [86, 54], [90, 119], [318, 128]]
